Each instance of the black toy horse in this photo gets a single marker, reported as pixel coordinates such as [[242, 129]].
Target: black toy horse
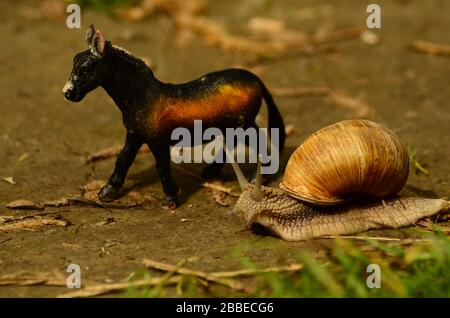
[[152, 109]]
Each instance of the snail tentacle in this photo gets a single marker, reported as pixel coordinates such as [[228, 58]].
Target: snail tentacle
[[256, 193]]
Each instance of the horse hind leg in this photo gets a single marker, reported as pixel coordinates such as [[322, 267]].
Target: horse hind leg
[[213, 169]]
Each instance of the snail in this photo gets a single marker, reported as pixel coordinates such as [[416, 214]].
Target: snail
[[342, 180]]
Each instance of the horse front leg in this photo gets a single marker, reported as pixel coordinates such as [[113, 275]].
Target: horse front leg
[[111, 190], [162, 159]]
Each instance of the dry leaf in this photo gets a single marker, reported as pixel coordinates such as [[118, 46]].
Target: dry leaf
[[23, 157], [10, 180], [135, 196], [58, 202], [31, 223], [90, 190], [93, 185], [24, 204]]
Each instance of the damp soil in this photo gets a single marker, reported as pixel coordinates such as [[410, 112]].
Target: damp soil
[[44, 140]]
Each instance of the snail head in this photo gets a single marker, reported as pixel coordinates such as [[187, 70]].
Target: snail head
[[255, 198]]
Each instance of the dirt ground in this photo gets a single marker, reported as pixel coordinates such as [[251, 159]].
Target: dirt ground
[[44, 140]]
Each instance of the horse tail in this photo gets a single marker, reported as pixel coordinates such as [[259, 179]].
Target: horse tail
[[275, 119]]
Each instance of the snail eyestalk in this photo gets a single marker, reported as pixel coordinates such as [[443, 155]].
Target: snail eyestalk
[[256, 193], [243, 183]]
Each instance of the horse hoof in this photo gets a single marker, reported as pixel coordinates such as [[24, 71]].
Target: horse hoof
[[169, 203], [108, 193]]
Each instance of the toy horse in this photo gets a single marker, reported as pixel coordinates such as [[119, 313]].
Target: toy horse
[[152, 110]]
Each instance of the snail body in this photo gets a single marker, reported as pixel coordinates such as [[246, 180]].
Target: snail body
[[324, 179]]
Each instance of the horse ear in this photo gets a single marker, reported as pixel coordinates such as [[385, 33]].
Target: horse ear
[[89, 34], [98, 44]]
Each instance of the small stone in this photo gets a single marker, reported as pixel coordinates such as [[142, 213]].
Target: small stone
[[369, 37]]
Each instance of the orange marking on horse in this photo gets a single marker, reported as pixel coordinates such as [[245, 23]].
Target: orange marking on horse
[[226, 100]]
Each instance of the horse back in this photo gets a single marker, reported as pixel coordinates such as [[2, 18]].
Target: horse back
[[229, 98]]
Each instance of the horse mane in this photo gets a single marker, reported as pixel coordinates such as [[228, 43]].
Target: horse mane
[[127, 56]]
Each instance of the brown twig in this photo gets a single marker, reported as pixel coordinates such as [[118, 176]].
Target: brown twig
[[5, 240], [159, 282], [256, 271], [215, 34], [216, 277], [359, 107], [375, 238], [300, 91], [220, 188], [428, 225], [31, 223], [102, 289], [199, 274], [338, 36], [430, 48], [26, 279], [83, 201]]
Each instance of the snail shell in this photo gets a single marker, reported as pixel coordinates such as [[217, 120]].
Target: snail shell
[[344, 160]]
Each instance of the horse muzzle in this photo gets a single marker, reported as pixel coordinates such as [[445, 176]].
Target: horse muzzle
[[70, 93]]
